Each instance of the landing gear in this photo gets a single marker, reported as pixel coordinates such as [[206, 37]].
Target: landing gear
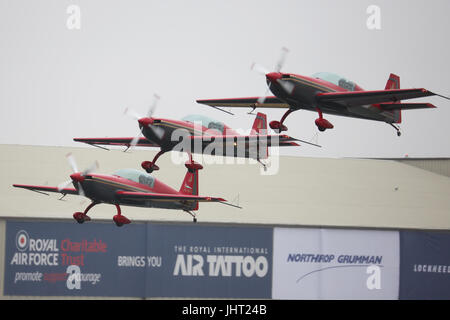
[[194, 218], [81, 217], [119, 219], [264, 165], [278, 126], [150, 166], [321, 123], [396, 128]]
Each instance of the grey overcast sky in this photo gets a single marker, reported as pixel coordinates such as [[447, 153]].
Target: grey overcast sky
[[57, 84]]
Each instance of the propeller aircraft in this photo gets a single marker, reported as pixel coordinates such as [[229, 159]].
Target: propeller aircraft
[[198, 133], [328, 93], [130, 187]]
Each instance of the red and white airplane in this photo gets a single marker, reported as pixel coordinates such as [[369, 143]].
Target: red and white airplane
[[200, 134], [130, 187], [328, 93]]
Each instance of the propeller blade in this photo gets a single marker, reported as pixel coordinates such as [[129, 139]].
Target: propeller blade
[[64, 185], [90, 169], [136, 116], [263, 98], [131, 113], [72, 162], [80, 190], [152, 108], [134, 142], [280, 63], [287, 86], [259, 68], [158, 131]]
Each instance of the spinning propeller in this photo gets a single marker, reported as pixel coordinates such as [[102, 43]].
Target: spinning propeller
[[76, 175], [274, 76], [145, 121]]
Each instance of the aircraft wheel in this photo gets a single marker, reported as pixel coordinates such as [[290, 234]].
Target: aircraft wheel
[[399, 133], [78, 216], [277, 126], [117, 221], [195, 220], [149, 166], [322, 129], [120, 220]]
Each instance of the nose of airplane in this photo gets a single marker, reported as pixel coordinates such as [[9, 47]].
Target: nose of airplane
[[273, 76], [77, 177], [144, 122]]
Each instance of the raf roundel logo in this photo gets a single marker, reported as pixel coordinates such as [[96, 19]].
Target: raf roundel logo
[[22, 240]]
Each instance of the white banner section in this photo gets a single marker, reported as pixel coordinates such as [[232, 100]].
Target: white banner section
[[335, 264]]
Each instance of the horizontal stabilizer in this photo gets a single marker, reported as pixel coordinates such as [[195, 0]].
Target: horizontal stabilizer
[[358, 98]]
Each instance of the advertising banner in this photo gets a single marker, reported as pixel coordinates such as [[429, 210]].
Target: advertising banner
[[137, 260], [425, 265], [209, 261], [335, 264], [61, 258]]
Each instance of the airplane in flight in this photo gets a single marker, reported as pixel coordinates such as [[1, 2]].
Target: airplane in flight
[[328, 93], [130, 187], [198, 134]]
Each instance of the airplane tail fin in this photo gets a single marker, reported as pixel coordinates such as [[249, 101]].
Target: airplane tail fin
[[394, 83], [260, 128], [260, 124], [190, 182]]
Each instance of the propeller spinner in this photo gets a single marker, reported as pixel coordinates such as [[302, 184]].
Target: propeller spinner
[[77, 176], [275, 76], [145, 121]]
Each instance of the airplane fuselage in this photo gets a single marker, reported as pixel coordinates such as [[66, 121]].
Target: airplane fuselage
[[103, 189], [305, 92], [175, 133]]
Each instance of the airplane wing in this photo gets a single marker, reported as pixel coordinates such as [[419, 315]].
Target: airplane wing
[[405, 106], [358, 98], [142, 142], [143, 196], [278, 140], [281, 140], [252, 102], [44, 189]]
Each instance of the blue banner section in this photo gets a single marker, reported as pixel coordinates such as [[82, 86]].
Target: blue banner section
[[424, 265], [209, 261], [60, 259], [137, 260]]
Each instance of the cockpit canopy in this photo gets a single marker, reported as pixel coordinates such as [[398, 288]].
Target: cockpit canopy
[[337, 80], [136, 176], [205, 122]]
